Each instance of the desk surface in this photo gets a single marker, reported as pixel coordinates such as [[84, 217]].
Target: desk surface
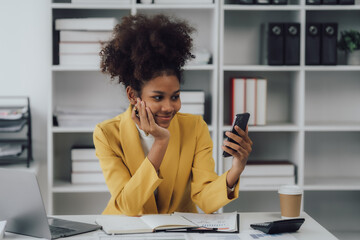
[[310, 230]]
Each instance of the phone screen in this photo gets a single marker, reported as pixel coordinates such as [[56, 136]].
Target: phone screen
[[240, 120]]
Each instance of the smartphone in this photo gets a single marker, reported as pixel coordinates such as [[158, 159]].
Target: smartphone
[[241, 120]]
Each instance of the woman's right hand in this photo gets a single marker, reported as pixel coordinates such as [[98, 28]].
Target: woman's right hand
[[146, 122]]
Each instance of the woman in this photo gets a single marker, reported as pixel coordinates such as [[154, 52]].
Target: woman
[[154, 159]]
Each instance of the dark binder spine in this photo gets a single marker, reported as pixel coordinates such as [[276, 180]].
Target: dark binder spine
[[328, 43], [346, 2], [279, 2], [313, 44], [313, 2], [292, 43], [275, 46], [329, 2], [244, 1]]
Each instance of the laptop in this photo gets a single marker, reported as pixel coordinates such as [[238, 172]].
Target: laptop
[[21, 205]]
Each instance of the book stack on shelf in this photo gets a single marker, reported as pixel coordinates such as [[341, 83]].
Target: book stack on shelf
[[101, 1], [81, 39], [183, 1], [266, 173], [193, 102], [85, 166], [249, 95], [82, 116], [202, 57], [15, 137]]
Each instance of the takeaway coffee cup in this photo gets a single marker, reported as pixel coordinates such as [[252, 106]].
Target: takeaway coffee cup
[[290, 201]]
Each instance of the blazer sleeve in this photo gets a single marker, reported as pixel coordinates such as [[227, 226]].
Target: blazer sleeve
[[128, 192], [208, 190]]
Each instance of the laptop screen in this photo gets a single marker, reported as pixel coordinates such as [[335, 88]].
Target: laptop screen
[[21, 204]]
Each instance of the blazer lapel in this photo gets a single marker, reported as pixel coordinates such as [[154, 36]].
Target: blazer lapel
[[133, 152], [169, 167]]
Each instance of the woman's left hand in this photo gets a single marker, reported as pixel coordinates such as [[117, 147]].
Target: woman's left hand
[[241, 149]]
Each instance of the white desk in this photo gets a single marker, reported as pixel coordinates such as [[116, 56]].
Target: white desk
[[310, 230]]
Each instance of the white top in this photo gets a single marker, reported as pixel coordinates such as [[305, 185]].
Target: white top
[[147, 140]]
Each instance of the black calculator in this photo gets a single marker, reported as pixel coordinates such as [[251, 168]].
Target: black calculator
[[279, 226]]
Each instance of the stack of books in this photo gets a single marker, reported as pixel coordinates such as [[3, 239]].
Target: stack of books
[[249, 95], [83, 117], [193, 102], [81, 39], [202, 57], [101, 1], [265, 173], [85, 166], [183, 1], [268, 173]]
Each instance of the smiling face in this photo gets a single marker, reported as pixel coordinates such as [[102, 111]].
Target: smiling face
[[162, 95]]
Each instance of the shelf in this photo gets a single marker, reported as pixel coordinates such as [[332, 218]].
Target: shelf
[[62, 68], [340, 127], [90, 6], [67, 187], [281, 127], [332, 68], [73, 129], [260, 68], [332, 183], [175, 6], [332, 7], [239, 7]]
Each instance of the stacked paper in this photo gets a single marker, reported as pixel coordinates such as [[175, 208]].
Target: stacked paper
[[183, 1], [85, 166], [12, 113], [83, 117], [202, 57], [193, 102], [100, 1], [81, 39], [266, 173], [13, 149]]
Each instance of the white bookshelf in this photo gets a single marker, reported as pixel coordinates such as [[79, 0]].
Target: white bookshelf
[[87, 86], [313, 115], [318, 130]]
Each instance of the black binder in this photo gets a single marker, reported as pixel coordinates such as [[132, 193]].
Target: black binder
[[328, 43], [292, 43], [262, 1], [313, 2], [329, 2], [245, 1], [347, 2], [275, 44], [279, 2], [313, 44]]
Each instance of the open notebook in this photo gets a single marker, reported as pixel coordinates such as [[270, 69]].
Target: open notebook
[[177, 222], [144, 224]]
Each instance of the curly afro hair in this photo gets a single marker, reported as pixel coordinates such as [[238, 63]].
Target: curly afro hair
[[146, 47]]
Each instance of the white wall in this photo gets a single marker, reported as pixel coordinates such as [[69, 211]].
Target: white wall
[[25, 61]]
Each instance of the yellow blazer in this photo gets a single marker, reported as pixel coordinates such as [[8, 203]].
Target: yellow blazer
[[186, 176]]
